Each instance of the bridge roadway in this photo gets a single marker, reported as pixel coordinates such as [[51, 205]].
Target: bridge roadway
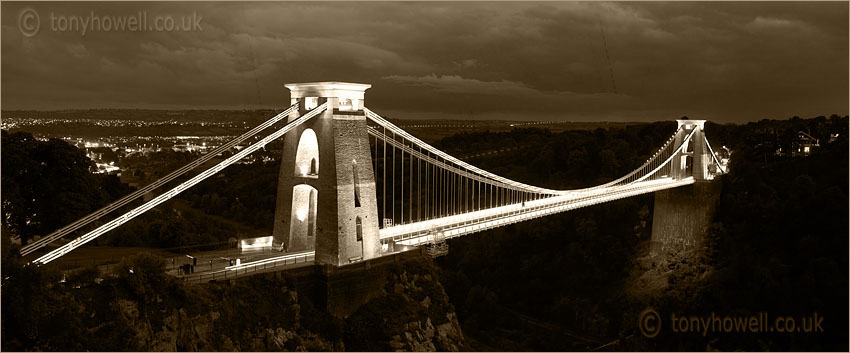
[[266, 261], [471, 222], [257, 261]]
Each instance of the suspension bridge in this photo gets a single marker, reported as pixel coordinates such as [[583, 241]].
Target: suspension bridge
[[353, 186]]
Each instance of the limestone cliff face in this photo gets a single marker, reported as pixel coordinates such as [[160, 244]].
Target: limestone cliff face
[[177, 330], [419, 337], [423, 335], [405, 308], [267, 313], [414, 314]]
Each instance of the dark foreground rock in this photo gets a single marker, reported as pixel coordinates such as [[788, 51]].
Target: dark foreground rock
[[147, 310]]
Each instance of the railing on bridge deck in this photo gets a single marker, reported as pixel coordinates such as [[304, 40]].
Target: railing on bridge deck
[[251, 268]]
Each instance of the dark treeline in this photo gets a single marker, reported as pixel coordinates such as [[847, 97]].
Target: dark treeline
[[244, 192], [49, 184], [174, 224]]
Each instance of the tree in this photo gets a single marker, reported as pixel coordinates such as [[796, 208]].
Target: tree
[[49, 184]]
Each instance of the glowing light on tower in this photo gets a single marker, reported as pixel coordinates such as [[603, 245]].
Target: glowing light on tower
[[308, 150]]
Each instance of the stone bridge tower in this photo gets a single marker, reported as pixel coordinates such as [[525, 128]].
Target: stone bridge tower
[[694, 158], [327, 165], [682, 215]]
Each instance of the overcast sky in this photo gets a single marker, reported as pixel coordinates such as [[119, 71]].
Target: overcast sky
[[722, 61]]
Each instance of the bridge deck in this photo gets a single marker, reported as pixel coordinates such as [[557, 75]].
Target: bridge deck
[[270, 264], [476, 221]]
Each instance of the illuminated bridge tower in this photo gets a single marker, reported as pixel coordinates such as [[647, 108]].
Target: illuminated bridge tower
[[682, 215], [326, 190], [694, 159]]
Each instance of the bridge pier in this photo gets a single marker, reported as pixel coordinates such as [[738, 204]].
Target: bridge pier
[[682, 215], [340, 291]]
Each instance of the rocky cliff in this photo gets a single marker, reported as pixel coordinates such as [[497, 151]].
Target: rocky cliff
[[148, 311], [180, 331], [414, 314]]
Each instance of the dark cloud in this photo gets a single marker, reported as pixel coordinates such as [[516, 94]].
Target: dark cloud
[[721, 61]]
